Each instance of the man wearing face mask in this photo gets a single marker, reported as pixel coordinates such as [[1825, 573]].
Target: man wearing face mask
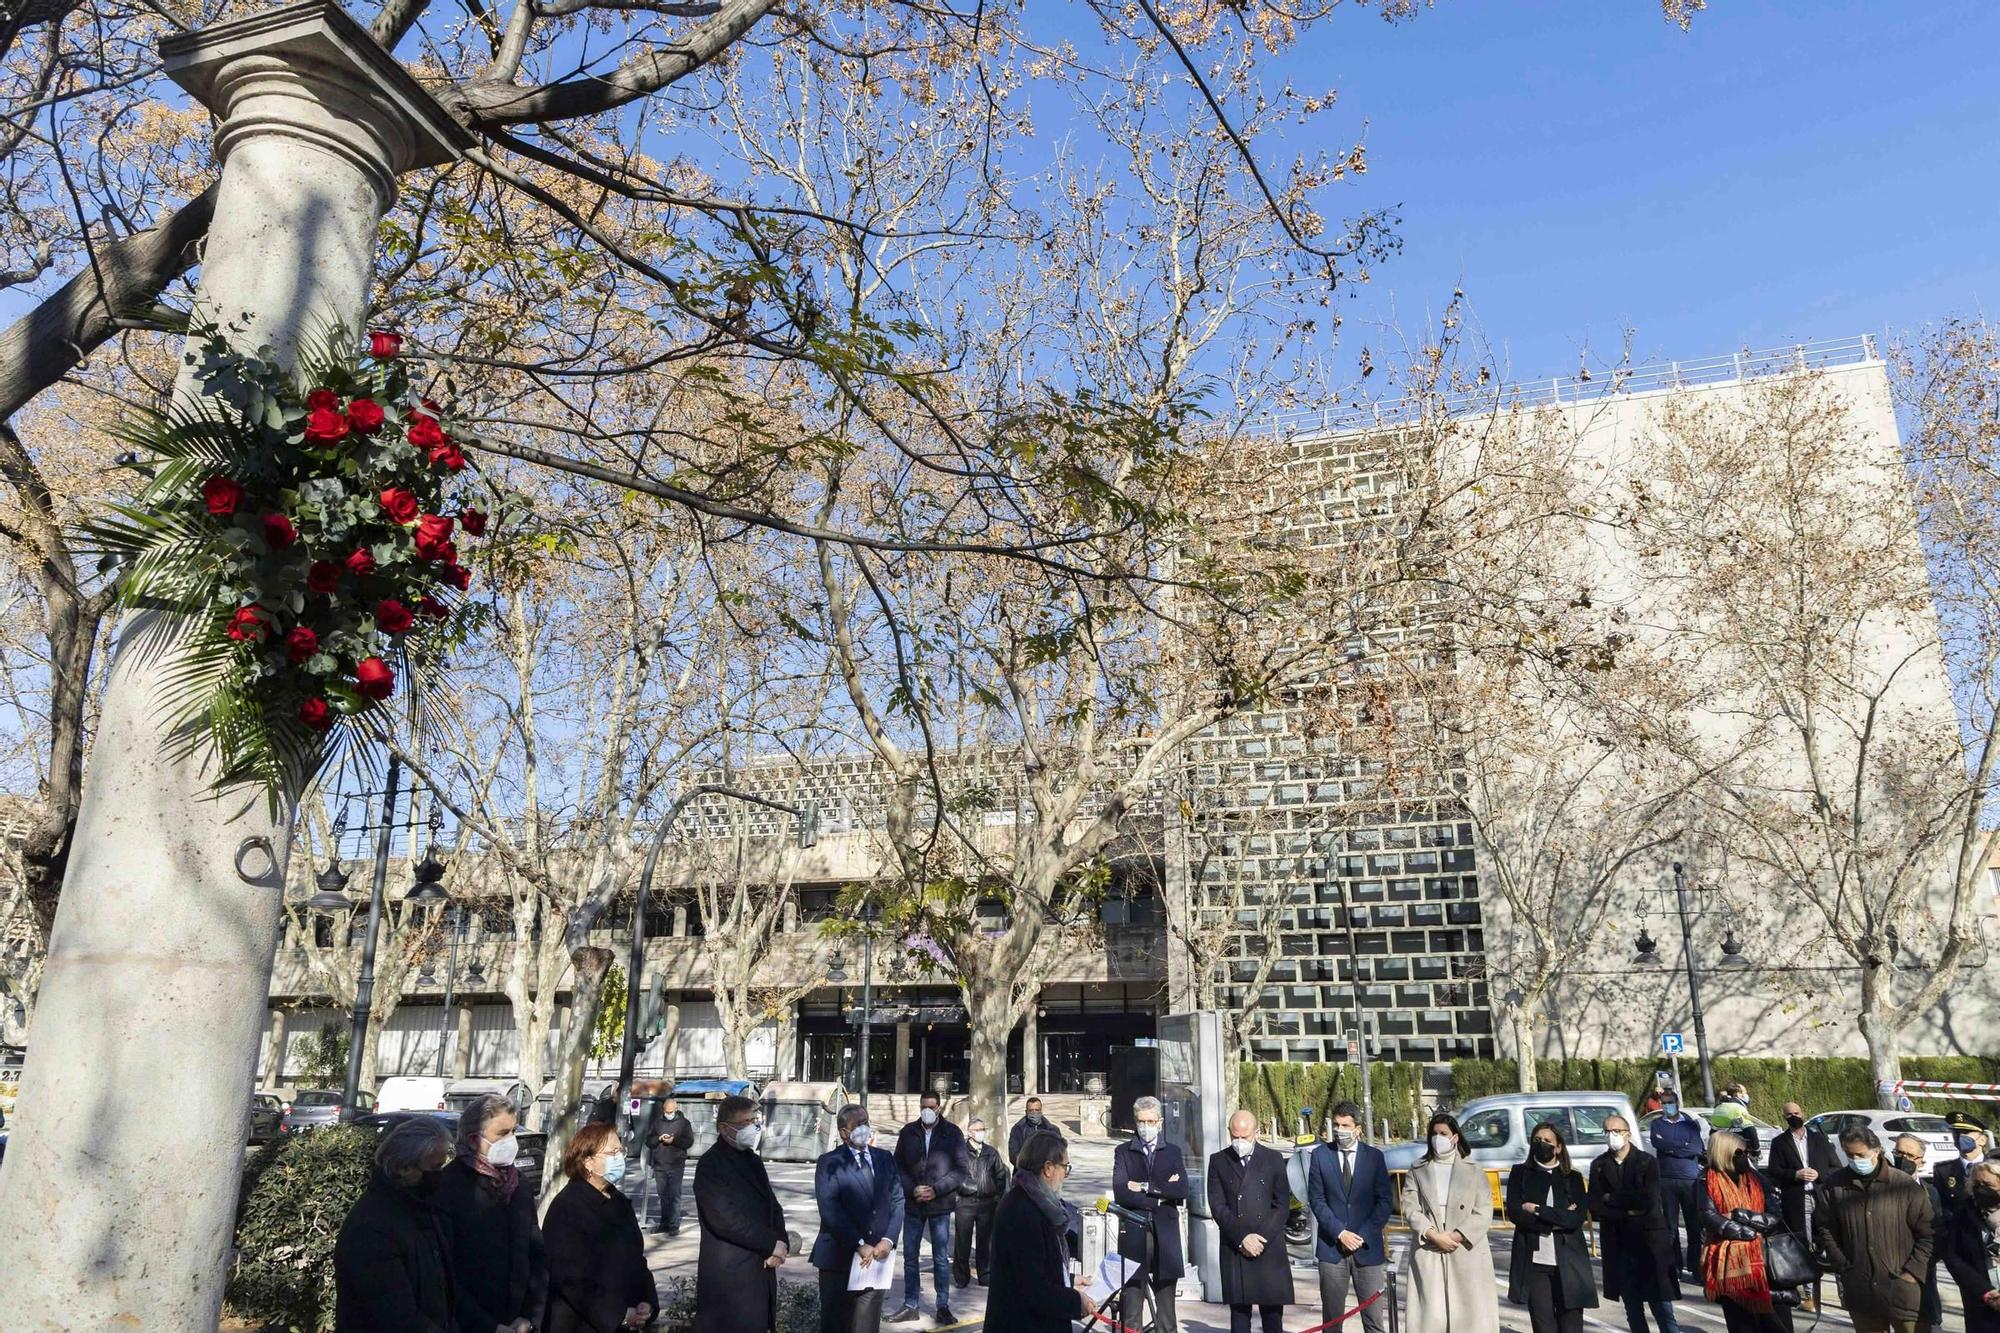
[[1972, 1252], [668, 1140], [860, 1215], [933, 1161], [1149, 1177], [972, 1215], [1953, 1178], [1679, 1145], [1800, 1158], [743, 1238], [391, 1264], [1347, 1188], [1641, 1253], [1250, 1201], [1031, 1123], [1874, 1226]]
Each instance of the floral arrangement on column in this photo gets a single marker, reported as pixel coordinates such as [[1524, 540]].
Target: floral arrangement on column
[[305, 530]]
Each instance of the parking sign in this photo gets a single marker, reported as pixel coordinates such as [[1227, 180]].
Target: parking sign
[[1671, 1043]]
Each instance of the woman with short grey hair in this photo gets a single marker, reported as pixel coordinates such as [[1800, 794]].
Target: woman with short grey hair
[[390, 1268], [499, 1274]]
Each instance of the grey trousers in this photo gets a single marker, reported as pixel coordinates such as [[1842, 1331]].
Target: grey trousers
[[1338, 1280]]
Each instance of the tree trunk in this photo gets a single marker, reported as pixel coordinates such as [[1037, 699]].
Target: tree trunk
[[1883, 1033], [587, 993], [992, 1021], [1527, 1078]]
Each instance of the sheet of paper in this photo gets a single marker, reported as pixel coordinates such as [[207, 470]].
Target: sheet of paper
[[869, 1274], [1111, 1274]]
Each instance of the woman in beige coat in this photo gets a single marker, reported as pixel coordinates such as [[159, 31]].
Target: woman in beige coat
[[1448, 1205]]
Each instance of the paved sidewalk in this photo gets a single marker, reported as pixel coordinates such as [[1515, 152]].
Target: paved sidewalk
[[1091, 1159]]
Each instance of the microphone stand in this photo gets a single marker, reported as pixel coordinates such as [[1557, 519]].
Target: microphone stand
[[1142, 1283]]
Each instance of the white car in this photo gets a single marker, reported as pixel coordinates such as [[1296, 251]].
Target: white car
[[411, 1092], [1940, 1143]]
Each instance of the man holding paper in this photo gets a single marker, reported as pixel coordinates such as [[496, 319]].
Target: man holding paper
[[860, 1215]]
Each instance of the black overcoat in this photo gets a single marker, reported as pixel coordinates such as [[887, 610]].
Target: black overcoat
[[1641, 1252], [597, 1261], [1165, 1194], [1783, 1164], [391, 1265], [498, 1270], [1251, 1196], [1965, 1255], [1562, 1206], [1031, 1290], [741, 1225]]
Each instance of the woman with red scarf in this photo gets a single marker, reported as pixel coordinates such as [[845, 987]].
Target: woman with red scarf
[[1739, 1206], [499, 1277]]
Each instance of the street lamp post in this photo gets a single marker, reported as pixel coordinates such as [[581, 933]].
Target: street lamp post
[[628, 1058], [364, 986], [1360, 1018], [457, 928], [1694, 986]]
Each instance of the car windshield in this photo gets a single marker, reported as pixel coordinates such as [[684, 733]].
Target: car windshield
[[317, 1099], [1918, 1124]]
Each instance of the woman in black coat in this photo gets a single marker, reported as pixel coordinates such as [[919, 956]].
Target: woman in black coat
[[501, 1279], [598, 1278], [391, 1264], [1031, 1291], [1972, 1250], [1549, 1270], [1641, 1251]]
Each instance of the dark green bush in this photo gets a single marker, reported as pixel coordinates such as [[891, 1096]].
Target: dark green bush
[[296, 1193], [798, 1306]]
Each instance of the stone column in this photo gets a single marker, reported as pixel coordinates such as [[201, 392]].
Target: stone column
[[1031, 1055], [785, 1056], [461, 1055], [670, 1036], [902, 1057], [170, 907], [274, 1050]]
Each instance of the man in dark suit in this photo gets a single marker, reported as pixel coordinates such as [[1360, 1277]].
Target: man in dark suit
[[1250, 1202], [668, 1139], [1954, 1179], [1799, 1159], [932, 1159], [1148, 1176], [743, 1237], [1347, 1188], [860, 1216], [1031, 1123]]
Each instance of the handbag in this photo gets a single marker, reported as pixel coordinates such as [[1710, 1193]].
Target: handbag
[[1789, 1261]]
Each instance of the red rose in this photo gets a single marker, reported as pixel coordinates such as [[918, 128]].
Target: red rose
[[322, 400], [474, 522], [458, 576], [448, 456], [433, 537], [325, 426], [247, 625], [424, 432], [399, 505], [360, 564], [221, 495], [391, 616], [385, 346], [373, 679], [433, 608], [315, 714], [300, 644], [365, 415], [323, 577], [279, 532]]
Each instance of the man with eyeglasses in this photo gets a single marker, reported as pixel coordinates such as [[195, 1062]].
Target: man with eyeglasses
[[743, 1239]]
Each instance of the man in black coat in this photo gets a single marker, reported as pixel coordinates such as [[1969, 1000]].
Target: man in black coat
[[972, 1216], [743, 1241], [1641, 1253], [1799, 1159], [1954, 1179], [1029, 1125], [1250, 1199], [933, 1161], [667, 1142], [1149, 1177], [1032, 1290], [391, 1263]]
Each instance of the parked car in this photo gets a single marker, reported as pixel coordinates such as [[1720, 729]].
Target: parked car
[[317, 1108], [534, 1145], [1767, 1133], [267, 1117], [411, 1092], [1940, 1143], [1497, 1128], [460, 1094]]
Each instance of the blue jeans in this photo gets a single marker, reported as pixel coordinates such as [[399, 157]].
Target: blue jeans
[[915, 1224], [1663, 1315]]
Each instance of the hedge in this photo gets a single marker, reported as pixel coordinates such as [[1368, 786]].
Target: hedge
[[1278, 1089], [296, 1193]]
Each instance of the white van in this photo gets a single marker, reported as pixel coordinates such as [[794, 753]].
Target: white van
[[410, 1092]]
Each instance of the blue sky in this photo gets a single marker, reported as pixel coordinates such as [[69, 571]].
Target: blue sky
[[1790, 169]]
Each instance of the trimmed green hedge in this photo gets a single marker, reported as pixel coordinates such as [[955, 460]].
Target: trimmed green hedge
[[296, 1193], [1279, 1088]]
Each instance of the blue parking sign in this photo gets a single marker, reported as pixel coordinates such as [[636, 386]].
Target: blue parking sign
[[1671, 1043]]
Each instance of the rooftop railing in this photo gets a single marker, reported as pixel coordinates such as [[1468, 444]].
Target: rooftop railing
[[1585, 387]]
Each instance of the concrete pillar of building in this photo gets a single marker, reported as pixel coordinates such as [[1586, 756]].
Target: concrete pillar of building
[[785, 1062], [670, 1036], [680, 921], [169, 915], [461, 1054], [274, 1050], [561, 1029], [902, 1057], [1031, 1054]]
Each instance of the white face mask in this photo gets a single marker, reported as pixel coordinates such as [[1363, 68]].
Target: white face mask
[[978, 1137], [1346, 1138], [503, 1151], [1615, 1141], [1243, 1147], [747, 1137], [928, 1116], [1444, 1145], [1150, 1133], [861, 1136]]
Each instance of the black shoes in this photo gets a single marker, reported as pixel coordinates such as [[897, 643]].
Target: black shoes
[[944, 1316], [906, 1315]]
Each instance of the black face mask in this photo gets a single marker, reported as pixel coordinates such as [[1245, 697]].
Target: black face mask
[[1545, 1152], [427, 1184], [1985, 1198], [1907, 1166], [1795, 1121]]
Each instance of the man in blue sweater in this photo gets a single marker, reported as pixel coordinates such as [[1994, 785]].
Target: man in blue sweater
[[1679, 1144]]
